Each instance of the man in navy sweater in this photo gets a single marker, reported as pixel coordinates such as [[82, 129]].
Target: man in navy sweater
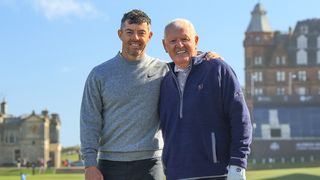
[[204, 118]]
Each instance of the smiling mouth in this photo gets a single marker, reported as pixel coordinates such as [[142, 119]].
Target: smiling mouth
[[181, 52], [134, 44]]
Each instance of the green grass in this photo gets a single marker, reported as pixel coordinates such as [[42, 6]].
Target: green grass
[[14, 174], [46, 177], [285, 174], [70, 157], [274, 174]]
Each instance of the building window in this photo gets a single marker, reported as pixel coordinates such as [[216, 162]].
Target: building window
[[318, 42], [11, 139], [302, 75], [275, 132], [318, 75], [257, 39], [257, 60], [257, 76], [302, 42], [280, 91], [318, 57], [301, 57], [277, 60], [280, 60], [301, 91], [280, 76], [304, 29], [283, 60], [258, 91]]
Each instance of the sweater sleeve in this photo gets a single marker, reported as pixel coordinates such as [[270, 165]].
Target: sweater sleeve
[[90, 120], [239, 118]]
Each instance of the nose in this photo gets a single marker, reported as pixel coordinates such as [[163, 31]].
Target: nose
[[179, 43], [135, 36]]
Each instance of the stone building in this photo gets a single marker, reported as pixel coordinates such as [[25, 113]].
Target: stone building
[[29, 138], [282, 82]]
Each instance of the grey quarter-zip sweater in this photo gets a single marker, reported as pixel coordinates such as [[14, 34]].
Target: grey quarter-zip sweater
[[119, 118]]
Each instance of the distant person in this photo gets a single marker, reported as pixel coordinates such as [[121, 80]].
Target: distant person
[[119, 111], [33, 165], [204, 117], [23, 176], [66, 163], [18, 164]]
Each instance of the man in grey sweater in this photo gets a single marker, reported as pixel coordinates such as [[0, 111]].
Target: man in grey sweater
[[119, 123]]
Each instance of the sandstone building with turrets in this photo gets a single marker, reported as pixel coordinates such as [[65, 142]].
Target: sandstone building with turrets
[[29, 138]]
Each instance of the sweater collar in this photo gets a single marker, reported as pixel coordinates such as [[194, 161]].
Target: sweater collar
[[195, 61], [138, 61]]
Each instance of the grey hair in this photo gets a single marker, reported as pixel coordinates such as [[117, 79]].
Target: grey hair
[[177, 23]]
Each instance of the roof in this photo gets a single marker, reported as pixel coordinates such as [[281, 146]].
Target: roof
[[259, 21]]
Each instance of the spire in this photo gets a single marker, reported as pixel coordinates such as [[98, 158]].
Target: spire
[[259, 21]]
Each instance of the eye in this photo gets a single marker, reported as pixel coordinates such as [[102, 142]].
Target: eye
[[185, 40], [141, 33], [129, 32], [172, 41]]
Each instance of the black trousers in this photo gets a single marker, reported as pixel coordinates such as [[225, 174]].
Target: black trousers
[[148, 169]]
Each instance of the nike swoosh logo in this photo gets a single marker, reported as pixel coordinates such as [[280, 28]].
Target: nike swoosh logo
[[150, 75]]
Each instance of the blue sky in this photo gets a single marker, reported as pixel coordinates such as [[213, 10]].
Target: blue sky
[[48, 47]]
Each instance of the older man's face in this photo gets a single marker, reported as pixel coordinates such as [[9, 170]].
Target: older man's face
[[180, 43]]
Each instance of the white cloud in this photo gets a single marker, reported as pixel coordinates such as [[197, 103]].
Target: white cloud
[[53, 9]]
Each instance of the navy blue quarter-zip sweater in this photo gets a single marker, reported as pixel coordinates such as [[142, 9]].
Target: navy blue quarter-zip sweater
[[206, 128]]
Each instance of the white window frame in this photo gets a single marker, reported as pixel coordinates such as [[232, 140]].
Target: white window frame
[[258, 76], [302, 57], [283, 60], [257, 60], [302, 42], [302, 76], [258, 91], [301, 91], [280, 76], [281, 91]]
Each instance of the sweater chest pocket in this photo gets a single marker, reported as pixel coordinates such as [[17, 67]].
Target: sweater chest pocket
[[199, 89]]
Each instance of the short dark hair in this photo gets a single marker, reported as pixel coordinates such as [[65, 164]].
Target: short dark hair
[[135, 16]]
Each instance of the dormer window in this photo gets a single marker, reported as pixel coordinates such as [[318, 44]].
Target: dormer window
[[304, 29], [302, 42]]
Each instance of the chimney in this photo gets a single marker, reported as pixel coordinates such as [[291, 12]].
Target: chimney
[[45, 113], [4, 107]]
